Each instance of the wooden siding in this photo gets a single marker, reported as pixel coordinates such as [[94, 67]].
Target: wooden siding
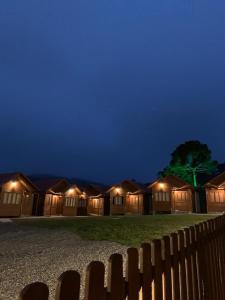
[[24, 205], [118, 209], [95, 206], [161, 198], [182, 201], [53, 205], [135, 204], [215, 200]]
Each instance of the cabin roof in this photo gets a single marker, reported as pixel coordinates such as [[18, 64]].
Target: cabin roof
[[51, 184], [6, 177], [131, 185], [216, 180], [172, 180]]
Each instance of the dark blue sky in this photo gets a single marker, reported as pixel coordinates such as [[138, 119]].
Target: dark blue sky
[[105, 90]]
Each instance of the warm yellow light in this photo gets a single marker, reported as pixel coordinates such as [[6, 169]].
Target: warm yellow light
[[118, 190], [161, 185], [13, 183], [70, 191]]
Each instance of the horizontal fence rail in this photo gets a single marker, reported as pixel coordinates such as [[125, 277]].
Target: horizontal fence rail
[[187, 265]]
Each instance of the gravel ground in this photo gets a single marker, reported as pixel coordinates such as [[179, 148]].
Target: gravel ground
[[28, 255]]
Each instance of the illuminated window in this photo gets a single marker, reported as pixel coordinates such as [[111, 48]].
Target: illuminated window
[[118, 200], [162, 196], [11, 198]]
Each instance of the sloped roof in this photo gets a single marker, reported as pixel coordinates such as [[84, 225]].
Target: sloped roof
[[95, 190], [172, 180], [51, 184], [6, 177], [73, 186], [217, 180], [131, 185]]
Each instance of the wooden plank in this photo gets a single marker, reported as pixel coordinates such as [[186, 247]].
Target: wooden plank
[[68, 287], [132, 274], [157, 261], [222, 257], [146, 271], [167, 268], [94, 283], [34, 291], [175, 269], [195, 281], [183, 281], [116, 283], [188, 264], [217, 258], [213, 259]]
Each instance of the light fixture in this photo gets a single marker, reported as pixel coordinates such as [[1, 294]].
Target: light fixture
[[118, 190], [13, 183], [161, 185], [71, 191]]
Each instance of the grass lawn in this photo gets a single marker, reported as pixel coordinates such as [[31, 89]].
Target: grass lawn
[[127, 230]]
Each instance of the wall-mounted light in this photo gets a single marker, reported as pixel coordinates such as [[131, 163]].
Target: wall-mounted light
[[13, 184], [117, 190], [161, 185], [71, 191]]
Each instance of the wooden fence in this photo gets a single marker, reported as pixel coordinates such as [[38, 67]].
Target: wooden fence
[[187, 265]]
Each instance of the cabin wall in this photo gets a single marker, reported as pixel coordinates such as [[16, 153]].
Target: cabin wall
[[95, 206], [161, 198], [53, 205], [16, 199], [215, 199], [182, 200], [134, 204], [115, 208], [71, 202]]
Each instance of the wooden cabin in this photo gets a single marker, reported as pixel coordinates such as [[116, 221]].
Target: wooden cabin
[[17, 194], [51, 195], [71, 200], [129, 197], [215, 194], [98, 200], [139, 202], [171, 194]]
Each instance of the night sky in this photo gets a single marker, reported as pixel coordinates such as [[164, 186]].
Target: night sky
[[105, 90]]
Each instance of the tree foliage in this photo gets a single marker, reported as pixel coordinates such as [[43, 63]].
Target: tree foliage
[[190, 159]]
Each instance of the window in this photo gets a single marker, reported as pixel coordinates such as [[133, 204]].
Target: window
[[11, 198], [71, 201], [162, 196], [118, 200]]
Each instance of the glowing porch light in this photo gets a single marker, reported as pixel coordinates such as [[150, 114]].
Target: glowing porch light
[[71, 191], [118, 190], [13, 184], [161, 185]]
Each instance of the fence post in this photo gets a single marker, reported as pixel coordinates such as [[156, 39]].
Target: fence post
[[94, 284], [157, 262], [194, 262], [183, 279], [68, 287], [34, 291], [116, 283], [175, 269], [132, 274], [167, 268], [146, 271], [188, 263]]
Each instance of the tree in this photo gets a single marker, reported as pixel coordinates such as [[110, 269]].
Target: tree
[[189, 160]]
